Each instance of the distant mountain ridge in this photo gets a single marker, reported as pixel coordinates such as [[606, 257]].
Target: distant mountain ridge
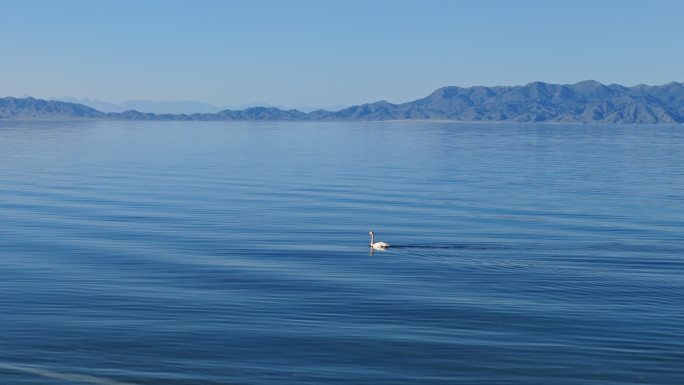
[[38, 108], [584, 102], [175, 107], [157, 107]]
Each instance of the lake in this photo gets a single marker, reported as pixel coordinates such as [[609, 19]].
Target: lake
[[237, 253]]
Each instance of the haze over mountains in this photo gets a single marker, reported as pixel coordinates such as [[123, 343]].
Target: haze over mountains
[[584, 102], [175, 107], [157, 107]]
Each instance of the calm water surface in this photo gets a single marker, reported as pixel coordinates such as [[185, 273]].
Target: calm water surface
[[236, 253]]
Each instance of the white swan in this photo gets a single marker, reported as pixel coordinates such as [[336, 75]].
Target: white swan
[[377, 245]]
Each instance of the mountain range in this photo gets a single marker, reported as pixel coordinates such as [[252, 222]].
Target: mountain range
[[175, 107], [584, 102]]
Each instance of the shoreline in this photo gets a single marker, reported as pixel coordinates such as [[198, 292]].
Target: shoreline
[[422, 121]]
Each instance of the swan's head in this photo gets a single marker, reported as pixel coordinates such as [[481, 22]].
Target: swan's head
[[370, 233]]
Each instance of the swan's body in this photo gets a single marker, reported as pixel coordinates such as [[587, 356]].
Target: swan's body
[[377, 245]]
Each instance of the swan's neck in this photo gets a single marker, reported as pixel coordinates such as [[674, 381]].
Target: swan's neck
[[372, 238]]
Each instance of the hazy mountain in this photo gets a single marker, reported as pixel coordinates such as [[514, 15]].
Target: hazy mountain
[[253, 113], [586, 102], [156, 107], [37, 108], [94, 103], [177, 107]]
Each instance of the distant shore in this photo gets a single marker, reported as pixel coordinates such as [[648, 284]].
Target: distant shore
[[537, 102]]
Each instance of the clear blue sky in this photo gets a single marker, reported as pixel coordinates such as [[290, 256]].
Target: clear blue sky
[[325, 53]]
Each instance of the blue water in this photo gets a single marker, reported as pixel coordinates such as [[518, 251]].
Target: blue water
[[236, 253]]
